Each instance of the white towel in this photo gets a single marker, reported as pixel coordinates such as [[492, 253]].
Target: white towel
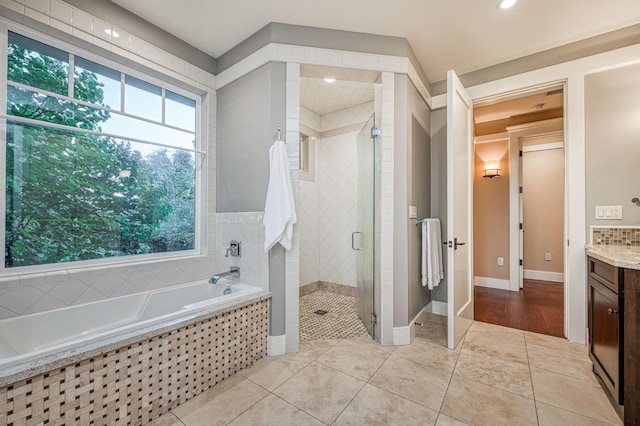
[[432, 266], [279, 209]]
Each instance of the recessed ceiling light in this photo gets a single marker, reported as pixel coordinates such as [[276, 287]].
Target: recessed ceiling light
[[506, 4], [111, 32], [329, 79]]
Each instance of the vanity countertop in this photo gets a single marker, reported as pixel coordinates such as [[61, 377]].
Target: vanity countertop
[[620, 256]]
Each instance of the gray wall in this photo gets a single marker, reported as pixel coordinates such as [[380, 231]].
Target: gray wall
[[439, 187], [612, 105], [249, 111], [133, 24], [412, 183]]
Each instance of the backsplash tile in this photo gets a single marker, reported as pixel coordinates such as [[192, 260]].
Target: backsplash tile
[[615, 236]]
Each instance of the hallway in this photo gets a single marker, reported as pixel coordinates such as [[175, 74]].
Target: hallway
[[538, 307]]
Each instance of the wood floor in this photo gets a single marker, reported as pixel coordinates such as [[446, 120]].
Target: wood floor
[[538, 307]]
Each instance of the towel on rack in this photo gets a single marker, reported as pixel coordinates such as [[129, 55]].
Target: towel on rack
[[279, 209], [432, 267]]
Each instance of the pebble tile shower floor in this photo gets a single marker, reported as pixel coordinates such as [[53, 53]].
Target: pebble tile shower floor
[[340, 322]]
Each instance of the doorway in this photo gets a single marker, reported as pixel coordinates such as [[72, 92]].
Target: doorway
[[519, 161], [336, 220]]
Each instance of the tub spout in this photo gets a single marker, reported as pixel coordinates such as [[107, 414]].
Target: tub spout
[[233, 271]]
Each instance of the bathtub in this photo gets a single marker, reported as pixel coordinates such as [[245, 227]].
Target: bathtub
[[30, 340]]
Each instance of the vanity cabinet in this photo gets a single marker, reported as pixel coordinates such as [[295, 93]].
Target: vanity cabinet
[[632, 347], [606, 325]]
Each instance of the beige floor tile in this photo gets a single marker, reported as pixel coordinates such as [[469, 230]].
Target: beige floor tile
[[477, 404], [271, 372], [314, 348], [448, 421], [320, 391], [560, 361], [497, 330], [413, 381], [552, 416], [168, 419], [428, 353], [374, 406], [575, 395], [273, 411], [354, 359], [433, 332], [368, 342], [554, 343], [507, 349], [220, 404], [493, 371]]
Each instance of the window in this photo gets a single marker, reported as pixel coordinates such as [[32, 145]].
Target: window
[[99, 163]]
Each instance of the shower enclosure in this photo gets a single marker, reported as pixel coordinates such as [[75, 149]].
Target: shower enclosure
[[364, 238]]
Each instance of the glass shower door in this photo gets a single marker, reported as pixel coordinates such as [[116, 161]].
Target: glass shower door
[[363, 240]]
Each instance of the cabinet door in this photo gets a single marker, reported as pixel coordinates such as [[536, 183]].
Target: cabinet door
[[605, 335]]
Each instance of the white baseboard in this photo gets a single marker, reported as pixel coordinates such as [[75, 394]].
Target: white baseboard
[[439, 308], [276, 345], [557, 277], [491, 283], [402, 335]]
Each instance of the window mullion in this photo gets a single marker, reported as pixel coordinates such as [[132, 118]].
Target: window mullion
[[164, 102], [122, 85], [71, 75]]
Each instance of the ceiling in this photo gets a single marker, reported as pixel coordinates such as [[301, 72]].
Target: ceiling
[[496, 117], [464, 35], [350, 88]]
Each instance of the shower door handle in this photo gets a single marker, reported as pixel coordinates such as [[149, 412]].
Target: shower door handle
[[356, 239]]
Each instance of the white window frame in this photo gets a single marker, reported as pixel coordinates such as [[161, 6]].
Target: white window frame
[[200, 152]]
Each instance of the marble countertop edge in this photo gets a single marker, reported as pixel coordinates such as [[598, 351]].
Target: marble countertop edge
[[619, 256]]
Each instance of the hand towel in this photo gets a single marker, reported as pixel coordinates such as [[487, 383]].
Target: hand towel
[[432, 266], [279, 209]]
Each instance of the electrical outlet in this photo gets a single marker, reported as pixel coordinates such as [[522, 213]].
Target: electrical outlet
[[547, 257], [501, 261]]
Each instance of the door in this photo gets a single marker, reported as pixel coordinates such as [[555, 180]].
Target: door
[[459, 209], [363, 239]]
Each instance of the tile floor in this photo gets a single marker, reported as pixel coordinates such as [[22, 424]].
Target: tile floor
[[340, 322], [496, 376]]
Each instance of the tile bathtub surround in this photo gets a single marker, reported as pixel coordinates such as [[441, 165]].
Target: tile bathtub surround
[[355, 381], [618, 236], [140, 382], [253, 261]]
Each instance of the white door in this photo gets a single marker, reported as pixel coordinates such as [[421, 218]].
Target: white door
[[459, 209]]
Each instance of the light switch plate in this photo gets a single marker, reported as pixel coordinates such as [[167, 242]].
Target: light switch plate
[[608, 213]]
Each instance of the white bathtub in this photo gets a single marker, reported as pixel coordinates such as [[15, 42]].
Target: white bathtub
[[30, 337]]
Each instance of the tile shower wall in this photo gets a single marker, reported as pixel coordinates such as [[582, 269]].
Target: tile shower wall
[[254, 262], [328, 210], [337, 174], [22, 294]]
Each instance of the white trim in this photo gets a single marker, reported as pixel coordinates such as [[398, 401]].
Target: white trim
[[557, 277], [543, 147], [402, 335], [276, 345], [494, 137], [491, 283], [439, 308], [276, 52]]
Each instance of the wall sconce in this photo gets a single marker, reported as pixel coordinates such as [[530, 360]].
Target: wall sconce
[[491, 169]]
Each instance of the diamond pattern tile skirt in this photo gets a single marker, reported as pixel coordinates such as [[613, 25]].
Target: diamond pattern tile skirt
[[340, 322]]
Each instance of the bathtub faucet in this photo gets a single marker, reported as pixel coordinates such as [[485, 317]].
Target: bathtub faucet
[[233, 271]]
